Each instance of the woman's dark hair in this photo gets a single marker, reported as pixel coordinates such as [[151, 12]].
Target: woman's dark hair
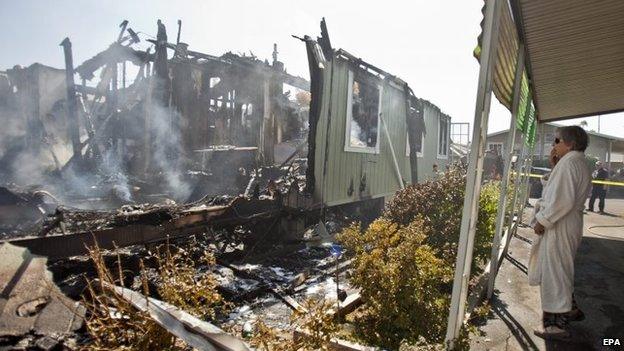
[[574, 135]]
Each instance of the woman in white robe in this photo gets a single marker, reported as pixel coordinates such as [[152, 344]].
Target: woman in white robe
[[559, 223]]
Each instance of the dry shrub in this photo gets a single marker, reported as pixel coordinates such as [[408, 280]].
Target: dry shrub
[[318, 326], [266, 338], [115, 324], [181, 285]]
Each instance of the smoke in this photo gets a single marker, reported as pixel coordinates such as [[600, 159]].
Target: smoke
[[355, 135], [111, 168], [167, 152]]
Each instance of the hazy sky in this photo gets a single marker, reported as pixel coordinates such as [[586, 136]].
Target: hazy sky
[[427, 43]]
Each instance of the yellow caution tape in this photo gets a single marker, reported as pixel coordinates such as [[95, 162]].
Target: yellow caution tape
[[605, 182]]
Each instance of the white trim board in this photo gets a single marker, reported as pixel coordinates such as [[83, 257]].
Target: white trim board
[[349, 116]]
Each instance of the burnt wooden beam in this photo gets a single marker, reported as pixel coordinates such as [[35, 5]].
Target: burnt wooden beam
[[191, 222], [72, 112], [295, 81], [179, 31], [114, 53], [197, 333], [123, 27], [162, 86]]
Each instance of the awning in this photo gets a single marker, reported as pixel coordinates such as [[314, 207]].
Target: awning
[[575, 55], [504, 72]]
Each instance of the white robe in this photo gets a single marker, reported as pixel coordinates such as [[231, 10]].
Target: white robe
[[551, 264]]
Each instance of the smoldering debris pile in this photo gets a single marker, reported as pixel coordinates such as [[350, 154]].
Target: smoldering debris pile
[[263, 282], [158, 144], [150, 120]]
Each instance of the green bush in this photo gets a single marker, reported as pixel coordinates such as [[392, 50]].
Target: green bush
[[404, 261], [440, 202], [404, 284]]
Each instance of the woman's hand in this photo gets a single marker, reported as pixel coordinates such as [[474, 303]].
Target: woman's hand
[[553, 158], [539, 228]]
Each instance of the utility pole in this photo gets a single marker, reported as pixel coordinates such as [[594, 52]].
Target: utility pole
[[598, 123]]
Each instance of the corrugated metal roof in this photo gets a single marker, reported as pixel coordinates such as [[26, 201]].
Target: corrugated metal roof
[[506, 57], [504, 73], [575, 51]]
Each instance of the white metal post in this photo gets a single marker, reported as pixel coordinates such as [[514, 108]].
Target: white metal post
[[609, 155], [394, 159], [502, 202], [528, 161], [475, 170], [517, 183], [518, 178], [525, 189], [528, 164]]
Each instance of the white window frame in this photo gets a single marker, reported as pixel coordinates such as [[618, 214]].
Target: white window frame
[[349, 116], [422, 146], [448, 127], [502, 146]]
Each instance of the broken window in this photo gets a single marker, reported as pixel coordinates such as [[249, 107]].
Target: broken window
[[443, 137], [363, 110], [419, 147], [214, 81], [495, 147], [246, 112]]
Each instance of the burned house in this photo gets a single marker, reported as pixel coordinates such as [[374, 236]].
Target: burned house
[[189, 126], [362, 120], [163, 143]]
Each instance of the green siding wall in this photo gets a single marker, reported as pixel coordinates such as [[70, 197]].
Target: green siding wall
[[344, 168], [432, 116]]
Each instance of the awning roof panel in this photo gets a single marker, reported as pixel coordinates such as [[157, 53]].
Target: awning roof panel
[[576, 56]]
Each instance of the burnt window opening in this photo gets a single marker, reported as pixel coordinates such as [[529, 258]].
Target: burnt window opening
[[246, 112], [214, 81], [417, 146], [443, 137], [363, 111]]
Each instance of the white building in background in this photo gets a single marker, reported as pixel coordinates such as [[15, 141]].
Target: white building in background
[[606, 148]]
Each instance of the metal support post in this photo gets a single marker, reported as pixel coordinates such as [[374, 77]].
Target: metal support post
[[525, 192], [475, 170], [517, 180], [517, 183], [609, 155], [502, 202], [527, 167], [394, 158]]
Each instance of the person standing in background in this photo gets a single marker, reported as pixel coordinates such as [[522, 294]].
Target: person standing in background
[[598, 190]]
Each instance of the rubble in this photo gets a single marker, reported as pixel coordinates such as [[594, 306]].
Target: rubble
[[31, 303], [197, 149]]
